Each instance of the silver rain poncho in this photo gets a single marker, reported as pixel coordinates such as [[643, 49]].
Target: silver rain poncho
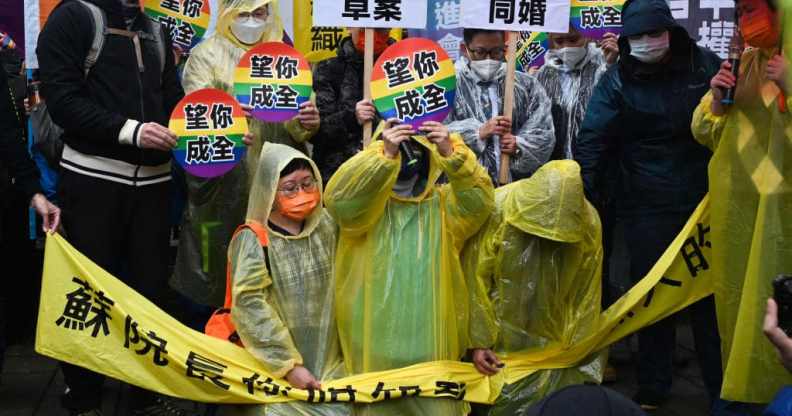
[[570, 91], [532, 122]]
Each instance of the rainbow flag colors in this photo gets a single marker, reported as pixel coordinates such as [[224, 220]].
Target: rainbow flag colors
[[185, 20], [210, 125], [595, 18], [274, 79], [531, 50], [414, 80]]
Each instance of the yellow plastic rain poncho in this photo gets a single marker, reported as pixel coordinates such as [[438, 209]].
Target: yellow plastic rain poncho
[[217, 206], [283, 301], [750, 180], [400, 289], [536, 266]]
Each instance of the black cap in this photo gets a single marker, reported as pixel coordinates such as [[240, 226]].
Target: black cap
[[645, 16]]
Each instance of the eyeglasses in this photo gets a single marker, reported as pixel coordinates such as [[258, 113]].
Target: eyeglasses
[[482, 53], [291, 189], [260, 13]]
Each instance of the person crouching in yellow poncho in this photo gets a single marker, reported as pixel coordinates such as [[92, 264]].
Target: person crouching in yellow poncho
[[283, 297], [401, 296], [533, 273], [750, 182]]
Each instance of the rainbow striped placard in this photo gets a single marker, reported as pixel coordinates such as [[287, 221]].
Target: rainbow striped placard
[[274, 79], [414, 80], [210, 125], [595, 18], [531, 50], [185, 20]]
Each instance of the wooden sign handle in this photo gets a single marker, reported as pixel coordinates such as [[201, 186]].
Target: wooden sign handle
[[508, 100], [368, 64]]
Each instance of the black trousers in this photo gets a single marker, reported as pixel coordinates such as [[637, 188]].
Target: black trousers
[[647, 237], [125, 230]]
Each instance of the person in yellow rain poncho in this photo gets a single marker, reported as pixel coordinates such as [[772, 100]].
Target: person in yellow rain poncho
[[283, 294], [216, 206], [533, 272], [401, 296], [750, 182]]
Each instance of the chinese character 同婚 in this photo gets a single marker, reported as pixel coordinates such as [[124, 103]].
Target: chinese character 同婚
[[356, 9], [398, 72], [261, 66], [388, 10], [502, 10]]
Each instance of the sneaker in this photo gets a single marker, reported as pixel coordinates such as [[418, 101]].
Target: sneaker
[[162, 406], [649, 400]]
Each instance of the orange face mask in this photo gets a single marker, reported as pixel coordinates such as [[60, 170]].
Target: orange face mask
[[759, 29], [380, 42], [300, 206]]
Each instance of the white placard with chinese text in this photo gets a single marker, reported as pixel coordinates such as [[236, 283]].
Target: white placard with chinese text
[[370, 13], [517, 15]]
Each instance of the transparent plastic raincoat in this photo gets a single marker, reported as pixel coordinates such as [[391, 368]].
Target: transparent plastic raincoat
[[534, 275], [750, 182], [570, 90], [401, 296], [283, 300], [532, 120], [215, 207]]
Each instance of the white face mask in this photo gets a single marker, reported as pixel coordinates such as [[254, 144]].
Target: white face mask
[[248, 29], [486, 68], [570, 56], [650, 50]]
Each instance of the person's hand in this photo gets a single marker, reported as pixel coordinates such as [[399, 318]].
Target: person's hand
[[300, 378], [777, 336], [365, 111], [247, 139], [486, 362], [777, 70], [395, 133], [495, 126], [154, 136], [438, 134], [722, 81], [610, 47], [309, 116], [508, 144], [49, 212], [247, 109]]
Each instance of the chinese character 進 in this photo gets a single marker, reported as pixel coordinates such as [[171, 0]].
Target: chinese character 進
[[502, 10], [192, 8], [185, 35], [203, 368], [172, 5], [261, 66], [221, 116], [262, 97], [222, 149], [150, 341], [611, 17], [356, 9], [447, 15], [398, 72], [199, 150], [387, 10], [425, 63], [286, 67], [196, 116], [435, 98], [286, 97], [409, 105], [326, 38], [450, 389], [590, 18]]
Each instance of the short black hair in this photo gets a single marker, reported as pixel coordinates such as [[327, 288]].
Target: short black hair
[[469, 34], [295, 165]]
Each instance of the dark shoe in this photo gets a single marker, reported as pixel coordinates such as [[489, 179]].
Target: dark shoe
[[162, 406], [649, 400]]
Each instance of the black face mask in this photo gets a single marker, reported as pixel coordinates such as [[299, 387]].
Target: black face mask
[[407, 171]]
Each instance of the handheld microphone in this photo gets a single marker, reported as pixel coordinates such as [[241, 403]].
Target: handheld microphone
[[736, 48], [407, 153]]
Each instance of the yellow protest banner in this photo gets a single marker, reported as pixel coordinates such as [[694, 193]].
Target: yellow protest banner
[[91, 319]]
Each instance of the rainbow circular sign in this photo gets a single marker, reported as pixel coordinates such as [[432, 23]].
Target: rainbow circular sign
[[211, 126], [185, 20], [274, 79], [414, 81]]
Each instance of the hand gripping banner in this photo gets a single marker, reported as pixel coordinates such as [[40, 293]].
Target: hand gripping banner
[[91, 319]]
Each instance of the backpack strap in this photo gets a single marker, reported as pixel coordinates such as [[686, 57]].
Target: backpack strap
[[158, 37], [263, 237], [99, 21]]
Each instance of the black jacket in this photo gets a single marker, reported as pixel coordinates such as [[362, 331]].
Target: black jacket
[[338, 84], [93, 111], [13, 153], [639, 118]]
